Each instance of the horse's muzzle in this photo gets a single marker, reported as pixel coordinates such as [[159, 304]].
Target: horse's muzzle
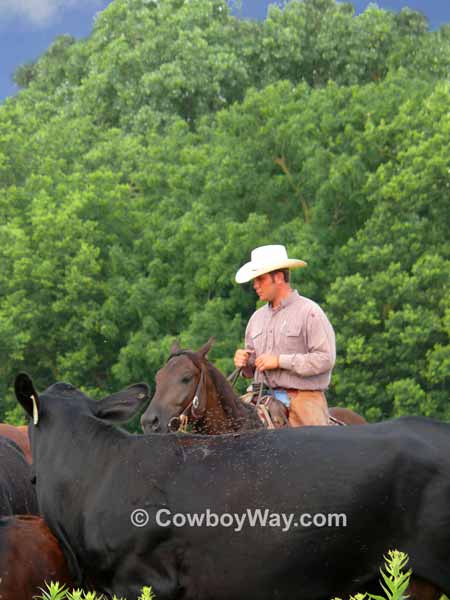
[[151, 425], [174, 424]]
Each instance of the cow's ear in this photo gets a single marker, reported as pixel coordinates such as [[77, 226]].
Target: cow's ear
[[207, 347], [175, 347], [27, 396], [123, 405]]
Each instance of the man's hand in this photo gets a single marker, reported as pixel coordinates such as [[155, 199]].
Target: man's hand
[[267, 362], [241, 358]]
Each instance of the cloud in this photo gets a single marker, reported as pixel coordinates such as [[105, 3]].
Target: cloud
[[41, 13]]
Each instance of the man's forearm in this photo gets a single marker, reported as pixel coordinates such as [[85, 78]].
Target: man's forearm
[[307, 365]]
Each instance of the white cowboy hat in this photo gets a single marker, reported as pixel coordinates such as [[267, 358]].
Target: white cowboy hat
[[265, 259]]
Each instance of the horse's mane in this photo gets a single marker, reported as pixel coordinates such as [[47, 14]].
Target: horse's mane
[[236, 410]]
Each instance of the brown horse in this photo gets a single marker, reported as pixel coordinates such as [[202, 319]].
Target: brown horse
[[189, 389]]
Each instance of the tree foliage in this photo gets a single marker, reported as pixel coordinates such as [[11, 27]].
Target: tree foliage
[[140, 166]]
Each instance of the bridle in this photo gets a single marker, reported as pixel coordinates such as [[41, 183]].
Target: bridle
[[195, 410]]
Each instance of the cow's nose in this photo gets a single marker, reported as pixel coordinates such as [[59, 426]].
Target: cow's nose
[[150, 424]]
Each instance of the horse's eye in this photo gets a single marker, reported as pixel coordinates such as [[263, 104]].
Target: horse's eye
[[186, 379]]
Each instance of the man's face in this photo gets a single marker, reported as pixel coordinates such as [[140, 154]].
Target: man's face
[[265, 287]]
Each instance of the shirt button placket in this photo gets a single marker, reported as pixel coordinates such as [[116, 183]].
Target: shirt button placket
[[270, 345], [270, 337]]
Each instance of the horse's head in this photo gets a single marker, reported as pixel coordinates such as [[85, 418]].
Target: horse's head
[[180, 390]]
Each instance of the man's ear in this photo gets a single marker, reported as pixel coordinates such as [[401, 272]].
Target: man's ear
[[122, 406], [27, 396], [203, 351]]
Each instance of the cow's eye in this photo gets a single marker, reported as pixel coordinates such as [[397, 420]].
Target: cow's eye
[[186, 379]]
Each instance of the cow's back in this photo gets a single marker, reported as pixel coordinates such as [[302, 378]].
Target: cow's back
[[17, 494], [29, 557]]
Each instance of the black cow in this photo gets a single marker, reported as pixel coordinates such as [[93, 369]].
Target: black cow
[[17, 494], [392, 480]]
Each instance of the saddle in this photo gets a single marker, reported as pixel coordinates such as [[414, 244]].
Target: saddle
[[272, 413]]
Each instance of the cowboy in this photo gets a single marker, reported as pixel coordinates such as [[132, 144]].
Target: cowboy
[[289, 341]]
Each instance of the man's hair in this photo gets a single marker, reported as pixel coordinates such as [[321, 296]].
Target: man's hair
[[286, 274]]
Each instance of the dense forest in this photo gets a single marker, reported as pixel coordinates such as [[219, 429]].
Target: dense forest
[[140, 166]]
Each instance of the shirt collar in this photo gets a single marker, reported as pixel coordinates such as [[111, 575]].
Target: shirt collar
[[285, 302]]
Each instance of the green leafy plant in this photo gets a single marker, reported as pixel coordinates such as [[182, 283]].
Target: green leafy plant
[[75, 595], [55, 591], [395, 579], [147, 594]]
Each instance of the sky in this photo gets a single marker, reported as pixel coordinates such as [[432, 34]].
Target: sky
[[28, 27]]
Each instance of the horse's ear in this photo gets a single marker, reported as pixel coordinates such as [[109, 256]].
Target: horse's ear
[[175, 347], [203, 351]]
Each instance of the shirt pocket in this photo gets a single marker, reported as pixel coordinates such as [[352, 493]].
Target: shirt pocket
[[292, 339]]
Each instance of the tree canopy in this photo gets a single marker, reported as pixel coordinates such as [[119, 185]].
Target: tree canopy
[[140, 166]]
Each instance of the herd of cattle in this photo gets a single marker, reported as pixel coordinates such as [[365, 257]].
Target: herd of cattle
[[66, 511]]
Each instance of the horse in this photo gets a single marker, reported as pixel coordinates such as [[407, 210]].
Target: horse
[[190, 390]]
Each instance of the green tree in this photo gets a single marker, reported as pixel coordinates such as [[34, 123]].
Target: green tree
[[139, 167]]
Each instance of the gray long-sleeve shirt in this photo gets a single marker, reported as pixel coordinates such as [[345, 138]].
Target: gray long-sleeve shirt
[[299, 332]]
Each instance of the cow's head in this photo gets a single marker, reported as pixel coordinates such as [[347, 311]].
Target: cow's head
[[117, 408], [66, 427]]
